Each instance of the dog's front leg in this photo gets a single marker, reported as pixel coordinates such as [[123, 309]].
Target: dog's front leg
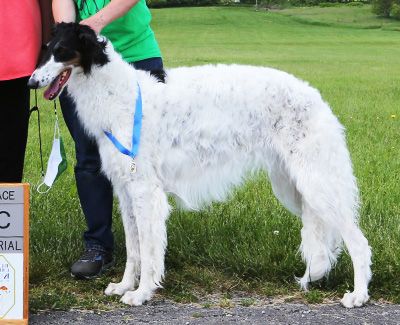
[[132, 268], [151, 211]]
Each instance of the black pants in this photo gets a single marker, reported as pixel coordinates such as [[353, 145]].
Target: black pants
[[14, 120]]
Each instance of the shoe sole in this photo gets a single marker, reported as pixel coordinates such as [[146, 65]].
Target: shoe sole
[[90, 277]]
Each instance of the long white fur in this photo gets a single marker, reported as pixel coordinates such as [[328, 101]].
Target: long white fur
[[203, 132]]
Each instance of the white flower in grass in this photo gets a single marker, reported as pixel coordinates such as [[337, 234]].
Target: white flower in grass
[[276, 232]]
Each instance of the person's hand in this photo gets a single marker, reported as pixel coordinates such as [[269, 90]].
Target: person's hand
[[111, 12], [95, 22]]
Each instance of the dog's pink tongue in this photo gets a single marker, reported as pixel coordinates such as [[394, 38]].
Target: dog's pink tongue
[[53, 88]]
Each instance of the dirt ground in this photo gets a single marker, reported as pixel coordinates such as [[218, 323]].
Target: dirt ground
[[262, 311]]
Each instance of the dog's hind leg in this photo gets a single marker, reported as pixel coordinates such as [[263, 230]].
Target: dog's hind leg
[[132, 268], [151, 210], [320, 244], [321, 238], [330, 215], [360, 253]]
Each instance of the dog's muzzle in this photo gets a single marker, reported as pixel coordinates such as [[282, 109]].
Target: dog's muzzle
[[33, 83]]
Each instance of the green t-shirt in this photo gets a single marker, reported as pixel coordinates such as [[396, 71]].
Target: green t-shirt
[[130, 35]]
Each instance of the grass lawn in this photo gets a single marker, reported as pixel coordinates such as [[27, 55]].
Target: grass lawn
[[342, 16], [233, 246]]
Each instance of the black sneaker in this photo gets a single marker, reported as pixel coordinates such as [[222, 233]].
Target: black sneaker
[[92, 264]]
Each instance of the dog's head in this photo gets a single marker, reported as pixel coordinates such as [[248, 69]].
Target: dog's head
[[73, 46]]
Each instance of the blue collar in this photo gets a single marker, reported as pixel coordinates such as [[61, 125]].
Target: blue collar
[[137, 126]]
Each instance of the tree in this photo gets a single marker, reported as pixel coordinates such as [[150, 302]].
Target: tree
[[382, 7]]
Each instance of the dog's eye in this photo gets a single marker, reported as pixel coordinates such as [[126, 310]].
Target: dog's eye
[[63, 54], [60, 51]]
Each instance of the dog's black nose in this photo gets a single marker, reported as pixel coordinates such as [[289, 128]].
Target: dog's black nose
[[33, 83]]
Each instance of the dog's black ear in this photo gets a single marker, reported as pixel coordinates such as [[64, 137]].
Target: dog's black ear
[[54, 30], [61, 28], [93, 49]]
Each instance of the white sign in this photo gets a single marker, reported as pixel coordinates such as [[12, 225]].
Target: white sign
[[11, 286], [13, 261]]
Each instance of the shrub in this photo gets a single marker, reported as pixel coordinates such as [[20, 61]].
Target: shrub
[[311, 2], [337, 4], [156, 3], [328, 4], [382, 7], [277, 4], [395, 12], [188, 3], [226, 2], [355, 4]]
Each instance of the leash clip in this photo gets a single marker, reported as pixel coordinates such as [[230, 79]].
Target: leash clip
[[133, 166]]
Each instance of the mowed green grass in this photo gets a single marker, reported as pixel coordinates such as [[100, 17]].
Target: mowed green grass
[[342, 16], [250, 242]]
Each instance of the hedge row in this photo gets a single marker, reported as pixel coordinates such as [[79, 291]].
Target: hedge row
[[266, 3], [181, 3]]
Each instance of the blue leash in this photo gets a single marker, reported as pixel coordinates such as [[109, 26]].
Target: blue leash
[[137, 126]]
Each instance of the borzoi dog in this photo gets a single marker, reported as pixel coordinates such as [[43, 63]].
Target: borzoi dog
[[203, 131]]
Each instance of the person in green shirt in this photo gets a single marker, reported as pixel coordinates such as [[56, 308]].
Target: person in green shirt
[[126, 24]]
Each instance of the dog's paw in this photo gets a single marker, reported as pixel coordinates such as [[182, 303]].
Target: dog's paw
[[135, 298], [354, 299], [117, 289]]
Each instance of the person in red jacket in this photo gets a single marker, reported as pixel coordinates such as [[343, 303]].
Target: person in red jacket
[[24, 28]]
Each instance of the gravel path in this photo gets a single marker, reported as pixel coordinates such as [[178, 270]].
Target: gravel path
[[273, 311]]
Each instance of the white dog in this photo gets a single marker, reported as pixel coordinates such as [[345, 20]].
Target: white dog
[[203, 131]]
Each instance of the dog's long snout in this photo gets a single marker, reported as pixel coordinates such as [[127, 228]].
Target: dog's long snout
[[33, 83]]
